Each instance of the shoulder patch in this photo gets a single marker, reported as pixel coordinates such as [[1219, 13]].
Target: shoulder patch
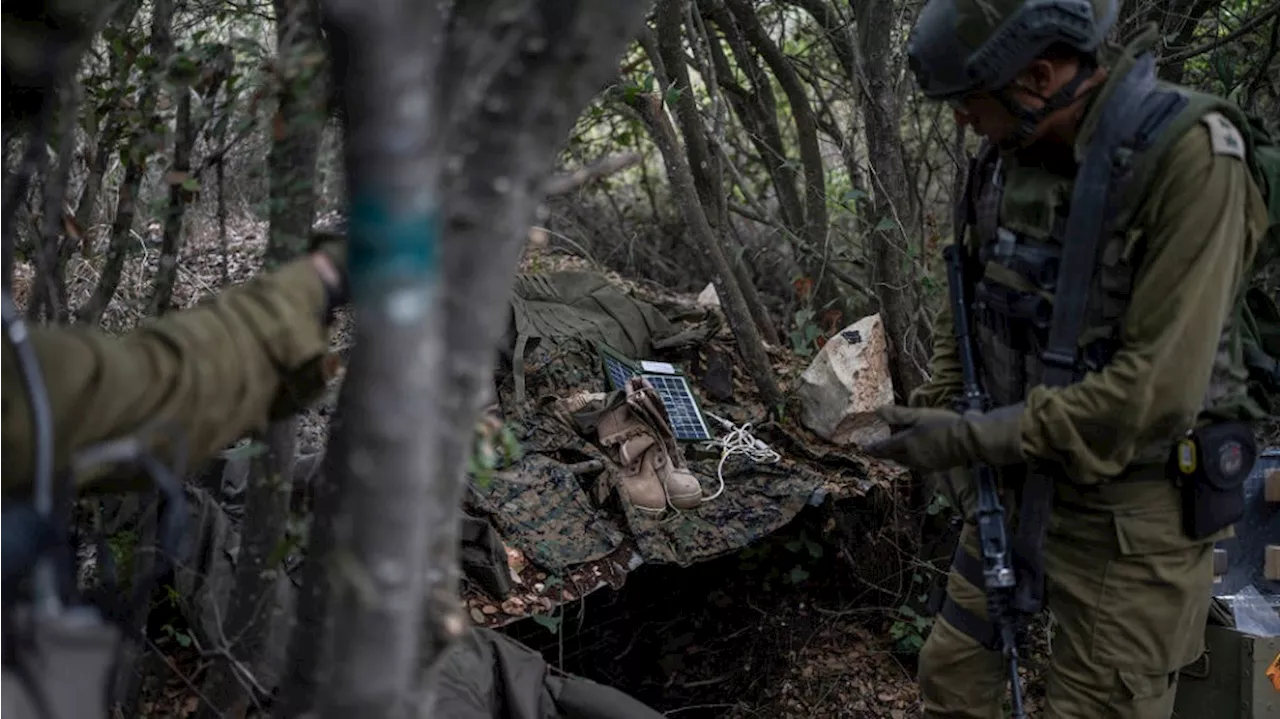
[[1224, 138]]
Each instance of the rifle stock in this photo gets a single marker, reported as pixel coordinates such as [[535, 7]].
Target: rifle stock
[[997, 570]]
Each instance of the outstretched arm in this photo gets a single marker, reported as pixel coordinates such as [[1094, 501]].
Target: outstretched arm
[[212, 372]]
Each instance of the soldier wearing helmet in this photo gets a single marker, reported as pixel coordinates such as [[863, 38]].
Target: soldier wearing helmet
[[1154, 387]]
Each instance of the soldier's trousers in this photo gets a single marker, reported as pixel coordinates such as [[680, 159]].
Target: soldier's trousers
[[1129, 595]]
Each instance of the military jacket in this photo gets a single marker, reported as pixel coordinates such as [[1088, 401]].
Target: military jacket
[[186, 384], [1159, 351]]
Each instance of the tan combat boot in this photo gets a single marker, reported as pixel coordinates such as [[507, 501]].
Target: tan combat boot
[[682, 488], [638, 482]]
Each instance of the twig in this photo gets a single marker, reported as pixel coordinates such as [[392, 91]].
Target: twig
[[1244, 29]]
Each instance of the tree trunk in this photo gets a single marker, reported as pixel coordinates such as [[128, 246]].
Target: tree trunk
[[511, 95], [147, 136], [735, 308], [167, 268], [894, 277], [50, 289], [669, 65], [299, 122]]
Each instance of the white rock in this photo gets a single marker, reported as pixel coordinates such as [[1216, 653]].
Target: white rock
[[846, 382], [708, 297]]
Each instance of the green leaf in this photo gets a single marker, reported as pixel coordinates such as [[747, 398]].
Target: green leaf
[[191, 184], [672, 94], [885, 224], [797, 575], [183, 639], [548, 622], [854, 194], [815, 549]]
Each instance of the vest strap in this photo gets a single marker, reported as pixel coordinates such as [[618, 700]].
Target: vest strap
[[1106, 157]]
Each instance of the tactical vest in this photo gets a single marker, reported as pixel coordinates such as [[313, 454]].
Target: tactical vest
[[1017, 218]]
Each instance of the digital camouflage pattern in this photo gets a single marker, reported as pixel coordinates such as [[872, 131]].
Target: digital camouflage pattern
[[759, 499], [1129, 592], [561, 519], [540, 508], [212, 372]]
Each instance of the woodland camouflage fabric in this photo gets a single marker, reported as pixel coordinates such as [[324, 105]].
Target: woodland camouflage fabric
[[539, 507], [548, 510], [758, 500]]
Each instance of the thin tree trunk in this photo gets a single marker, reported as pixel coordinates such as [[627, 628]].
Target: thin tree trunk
[[670, 66], [146, 138], [167, 268], [50, 295], [893, 274], [299, 123], [744, 330]]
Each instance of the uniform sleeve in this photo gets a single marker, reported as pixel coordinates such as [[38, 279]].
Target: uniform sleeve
[[1202, 221], [945, 380], [211, 373]]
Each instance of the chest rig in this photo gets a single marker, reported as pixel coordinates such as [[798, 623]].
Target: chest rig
[[1015, 254]]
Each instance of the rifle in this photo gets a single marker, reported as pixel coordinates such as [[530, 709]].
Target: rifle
[[997, 570]]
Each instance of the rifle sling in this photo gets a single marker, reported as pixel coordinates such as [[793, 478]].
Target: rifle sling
[[981, 630]]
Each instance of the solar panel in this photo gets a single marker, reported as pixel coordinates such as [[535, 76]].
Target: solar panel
[[686, 421]]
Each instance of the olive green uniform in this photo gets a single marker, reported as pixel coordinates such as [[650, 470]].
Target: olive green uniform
[[1128, 590], [212, 373]]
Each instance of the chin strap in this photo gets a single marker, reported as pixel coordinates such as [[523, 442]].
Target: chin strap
[[1028, 119]]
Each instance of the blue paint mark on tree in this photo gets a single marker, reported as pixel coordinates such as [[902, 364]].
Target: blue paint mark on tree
[[386, 246]]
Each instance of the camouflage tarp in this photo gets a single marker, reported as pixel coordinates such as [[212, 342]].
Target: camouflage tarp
[[758, 499], [540, 508]]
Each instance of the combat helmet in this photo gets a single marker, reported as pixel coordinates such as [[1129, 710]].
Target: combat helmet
[[960, 47]]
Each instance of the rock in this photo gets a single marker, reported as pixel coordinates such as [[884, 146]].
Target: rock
[[846, 382], [708, 297], [718, 379]]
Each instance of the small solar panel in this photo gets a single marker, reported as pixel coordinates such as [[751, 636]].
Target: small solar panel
[[686, 421]]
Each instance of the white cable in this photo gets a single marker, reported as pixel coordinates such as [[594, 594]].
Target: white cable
[[738, 440]]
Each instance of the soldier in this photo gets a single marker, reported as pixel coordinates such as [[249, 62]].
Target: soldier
[[1126, 565]]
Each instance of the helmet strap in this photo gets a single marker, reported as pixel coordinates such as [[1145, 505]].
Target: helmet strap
[[1028, 119]]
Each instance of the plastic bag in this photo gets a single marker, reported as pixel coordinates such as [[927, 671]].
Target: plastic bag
[[1253, 613]]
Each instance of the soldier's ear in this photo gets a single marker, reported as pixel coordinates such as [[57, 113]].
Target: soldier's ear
[[1043, 75]]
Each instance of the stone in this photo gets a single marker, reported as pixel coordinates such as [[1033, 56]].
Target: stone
[[708, 297], [846, 383]]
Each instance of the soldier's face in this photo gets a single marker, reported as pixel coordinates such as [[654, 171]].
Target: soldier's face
[[986, 115], [991, 118]]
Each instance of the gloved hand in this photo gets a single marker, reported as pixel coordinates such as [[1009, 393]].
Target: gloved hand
[[939, 439], [329, 255]]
